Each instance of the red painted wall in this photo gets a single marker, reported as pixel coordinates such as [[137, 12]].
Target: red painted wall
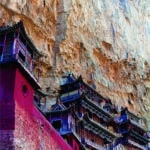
[[24, 99], [34, 132], [31, 131]]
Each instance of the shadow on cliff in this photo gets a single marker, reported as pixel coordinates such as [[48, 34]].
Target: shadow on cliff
[[61, 27]]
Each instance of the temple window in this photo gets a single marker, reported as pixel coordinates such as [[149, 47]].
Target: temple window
[[21, 56], [25, 90], [65, 124], [57, 124]]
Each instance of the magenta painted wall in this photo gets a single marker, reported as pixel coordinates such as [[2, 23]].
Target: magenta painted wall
[[24, 99], [20, 119], [36, 131], [24, 106]]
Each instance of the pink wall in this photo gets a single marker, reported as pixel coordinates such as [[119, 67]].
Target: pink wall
[[35, 129], [20, 119], [24, 99]]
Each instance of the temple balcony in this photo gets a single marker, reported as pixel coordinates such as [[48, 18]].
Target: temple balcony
[[97, 110], [17, 48], [87, 141], [22, 55], [19, 53], [82, 127], [137, 144], [94, 145], [135, 120], [98, 129], [131, 121], [104, 128], [138, 140]]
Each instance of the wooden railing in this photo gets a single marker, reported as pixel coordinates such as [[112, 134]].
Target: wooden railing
[[88, 142], [136, 145], [94, 145]]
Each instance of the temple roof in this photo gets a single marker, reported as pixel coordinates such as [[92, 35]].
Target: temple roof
[[70, 84], [58, 107], [71, 97], [68, 79], [19, 27], [93, 90]]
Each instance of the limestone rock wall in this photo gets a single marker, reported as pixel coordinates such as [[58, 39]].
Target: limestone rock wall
[[107, 42]]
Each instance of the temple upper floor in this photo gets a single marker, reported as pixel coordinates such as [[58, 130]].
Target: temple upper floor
[[16, 46]]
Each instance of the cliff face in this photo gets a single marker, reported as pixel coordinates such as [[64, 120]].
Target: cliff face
[[107, 42]]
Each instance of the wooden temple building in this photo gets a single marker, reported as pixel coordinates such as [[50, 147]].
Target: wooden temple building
[[22, 125], [17, 77], [87, 120], [83, 117]]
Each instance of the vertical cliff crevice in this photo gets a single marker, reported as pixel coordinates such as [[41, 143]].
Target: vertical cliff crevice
[[61, 27]]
